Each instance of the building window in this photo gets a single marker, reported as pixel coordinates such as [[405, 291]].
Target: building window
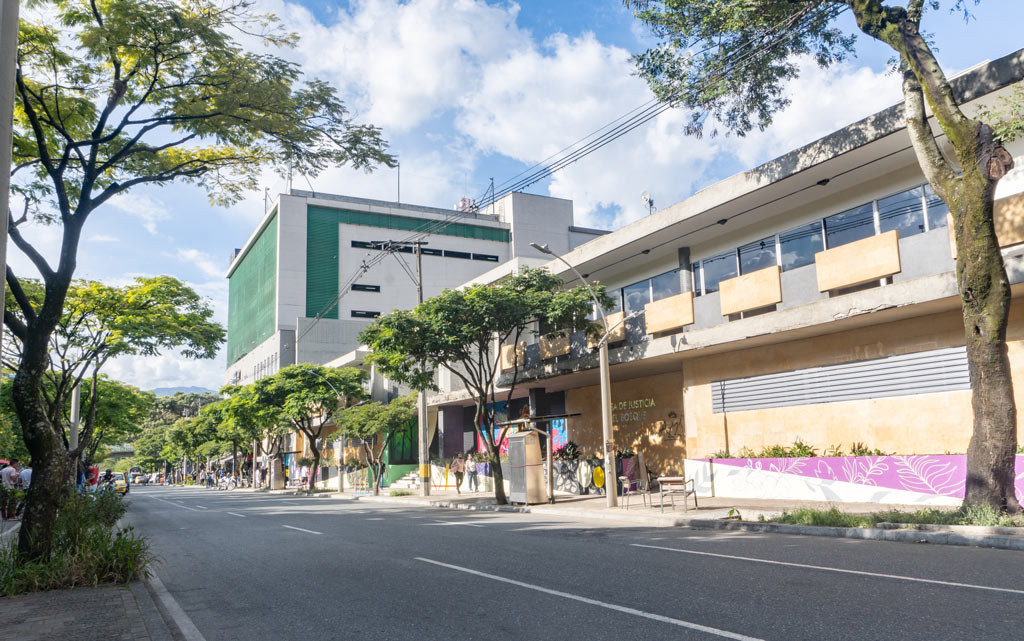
[[616, 306], [718, 268], [362, 244], [488, 257], [850, 226], [698, 279], [666, 285], [798, 246], [903, 212], [426, 251], [936, 209], [454, 254], [637, 295], [758, 255], [358, 287], [359, 313]]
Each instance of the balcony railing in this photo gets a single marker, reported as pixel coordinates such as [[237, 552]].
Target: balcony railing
[[872, 258], [748, 292], [669, 313]]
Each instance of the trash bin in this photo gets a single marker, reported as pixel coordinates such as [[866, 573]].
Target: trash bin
[[526, 481]]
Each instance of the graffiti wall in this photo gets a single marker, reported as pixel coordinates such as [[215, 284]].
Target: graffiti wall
[[910, 480]]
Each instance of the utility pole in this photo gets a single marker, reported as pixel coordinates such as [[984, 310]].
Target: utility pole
[[8, 55], [422, 432]]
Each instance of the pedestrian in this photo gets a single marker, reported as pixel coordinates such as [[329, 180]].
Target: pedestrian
[[474, 478], [459, 469], [25, 477], [8, 485], [94, 477], [287, 473]]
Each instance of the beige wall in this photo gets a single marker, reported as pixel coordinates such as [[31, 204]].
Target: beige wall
[[918, 424], [1009, 220], [647, 415]]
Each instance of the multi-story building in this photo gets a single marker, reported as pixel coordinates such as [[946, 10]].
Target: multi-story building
[[811, 297], [313, 274]]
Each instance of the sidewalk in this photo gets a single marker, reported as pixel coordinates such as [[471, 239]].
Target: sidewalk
[[104, 613]]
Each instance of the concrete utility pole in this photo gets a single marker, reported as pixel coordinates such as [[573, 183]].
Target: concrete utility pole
[[8, 55], [76, 414], [422, 432]]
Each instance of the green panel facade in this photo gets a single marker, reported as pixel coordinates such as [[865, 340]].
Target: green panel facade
[[252, 295], [322, 247], [321, 261]]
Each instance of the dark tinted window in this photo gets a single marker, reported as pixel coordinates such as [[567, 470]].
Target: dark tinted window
[[698, 288], [426, 251], [758, 255], [365, 288], [488, 257], [849, 226], [637, 295], [358, 313], [937, 209], [799, 245], [717, 269], [903, 212], [454, 254], [665, 285]]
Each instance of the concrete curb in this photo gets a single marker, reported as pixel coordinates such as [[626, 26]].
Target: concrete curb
[[870, 534], [961, 529]]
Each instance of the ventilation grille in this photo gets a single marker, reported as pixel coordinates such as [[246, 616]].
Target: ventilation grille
[[940, 370]]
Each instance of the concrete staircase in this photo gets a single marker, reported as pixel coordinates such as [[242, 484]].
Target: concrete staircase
[[410, 481]]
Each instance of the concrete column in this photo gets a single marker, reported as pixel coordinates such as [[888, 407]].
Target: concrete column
[[685, 270]]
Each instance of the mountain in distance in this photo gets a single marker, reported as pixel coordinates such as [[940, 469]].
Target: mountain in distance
[[171, 391]]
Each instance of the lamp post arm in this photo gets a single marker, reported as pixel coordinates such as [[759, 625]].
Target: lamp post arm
[[593, 296]]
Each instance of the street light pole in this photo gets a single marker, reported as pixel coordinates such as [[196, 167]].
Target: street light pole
[[341, 443], [8, 55], [610, 477]]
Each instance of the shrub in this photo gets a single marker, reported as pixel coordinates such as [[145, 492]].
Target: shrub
[[88, 549], [400, 493], [568, 452], [624, 452], [859, 449]]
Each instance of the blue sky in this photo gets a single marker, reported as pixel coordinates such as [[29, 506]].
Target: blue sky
[[468, 90]]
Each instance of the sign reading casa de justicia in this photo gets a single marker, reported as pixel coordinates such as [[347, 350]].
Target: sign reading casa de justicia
[[632, 411]]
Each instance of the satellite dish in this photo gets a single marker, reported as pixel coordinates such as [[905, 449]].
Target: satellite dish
[[648, 201]]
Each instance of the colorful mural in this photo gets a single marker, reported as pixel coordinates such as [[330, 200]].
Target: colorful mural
[[934, 475]]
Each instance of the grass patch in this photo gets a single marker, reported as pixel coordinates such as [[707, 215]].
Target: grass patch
[[833, 517], [88, 549], [400, 493]]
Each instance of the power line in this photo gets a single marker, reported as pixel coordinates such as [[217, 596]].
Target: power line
[[649, 111]]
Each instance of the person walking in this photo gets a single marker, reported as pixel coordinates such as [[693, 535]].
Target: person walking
[[459, 469], [8, 485], [474, 478]]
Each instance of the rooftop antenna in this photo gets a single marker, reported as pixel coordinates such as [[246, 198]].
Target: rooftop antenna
[[648, 202]]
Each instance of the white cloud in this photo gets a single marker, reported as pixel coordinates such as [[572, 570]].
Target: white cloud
[[166, 370], [147, 210], [201, 260], [102, 238]]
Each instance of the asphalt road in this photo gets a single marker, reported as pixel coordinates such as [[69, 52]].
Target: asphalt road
[[248, 566]]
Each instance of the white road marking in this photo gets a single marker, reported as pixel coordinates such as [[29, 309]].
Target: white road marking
[[454, 523], [174, 504], [188, 629], [292, 527], [202, 507], [378, 518], [611, 606], [237, 514], [839, 570]]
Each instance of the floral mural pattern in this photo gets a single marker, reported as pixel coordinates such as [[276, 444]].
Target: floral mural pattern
[[940, 475]]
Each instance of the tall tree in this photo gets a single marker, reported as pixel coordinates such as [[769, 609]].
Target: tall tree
[[375, 424], [463, 331], [305, 397], [114, 94], [728, 61]]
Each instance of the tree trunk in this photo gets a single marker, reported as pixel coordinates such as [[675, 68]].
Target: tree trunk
[[499, 480], [985, 294]]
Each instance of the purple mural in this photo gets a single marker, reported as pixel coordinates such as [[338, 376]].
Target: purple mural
[[941, 475]]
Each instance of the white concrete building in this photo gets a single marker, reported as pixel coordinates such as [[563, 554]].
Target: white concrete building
[[284, 284]]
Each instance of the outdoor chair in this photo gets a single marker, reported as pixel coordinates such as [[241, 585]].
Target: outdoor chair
[[640, 485], [671, 486]]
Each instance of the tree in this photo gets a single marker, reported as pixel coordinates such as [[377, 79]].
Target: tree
[[112, 95], [305, 397], [100, 322], [745, 51], [375, 424], [117, 416], [462, 331]]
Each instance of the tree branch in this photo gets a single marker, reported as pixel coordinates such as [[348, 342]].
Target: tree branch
[[934, 165], [19, 295], [37, 259]]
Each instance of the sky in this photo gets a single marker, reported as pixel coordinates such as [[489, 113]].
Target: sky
[[469, 90]]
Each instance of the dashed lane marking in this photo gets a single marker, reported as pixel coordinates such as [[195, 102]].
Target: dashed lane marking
[[601, 604], [828, 569], [237, 514], [292, 527]]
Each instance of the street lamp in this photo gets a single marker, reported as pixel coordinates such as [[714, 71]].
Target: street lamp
[[610, 477]]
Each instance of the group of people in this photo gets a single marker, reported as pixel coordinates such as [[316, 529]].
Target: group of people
[[13, 479], [462, 467], [90, 479]]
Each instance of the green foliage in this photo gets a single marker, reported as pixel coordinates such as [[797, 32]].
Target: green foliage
[[1006, 116], [88, 550], [731, 61], [400, 493], [978, 515], [859, 449], [624, 452], [374, 419], [568, 452]]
